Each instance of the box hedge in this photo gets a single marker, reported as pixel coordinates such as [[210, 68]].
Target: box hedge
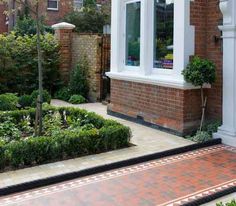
[[105, 135]]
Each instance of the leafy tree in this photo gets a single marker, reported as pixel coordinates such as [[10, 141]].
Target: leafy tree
[[90, 4], [18, 63], [26, 25], [199, 72], [89, 19], [33, 8]]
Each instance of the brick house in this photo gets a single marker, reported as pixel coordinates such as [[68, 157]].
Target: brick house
[[147, 61], [53, 10]]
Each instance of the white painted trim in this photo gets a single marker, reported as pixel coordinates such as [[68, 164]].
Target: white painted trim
[[63, 25], [160, 80], [184, 41], [228, 130], [53, 9]]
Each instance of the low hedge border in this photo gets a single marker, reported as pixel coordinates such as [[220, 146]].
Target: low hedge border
[[107, 135]]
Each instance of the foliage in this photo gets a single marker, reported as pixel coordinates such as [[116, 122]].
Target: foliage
[[77, 99], [52, 123], [211, 127], [8, 101], [200, 71], [201, 136], [69, 132], [25, 101], [232, 203], [63, 94], [19, 63], [90, 4], [26, 25], [79, 79], [9, 131], [89, 19], [34, 96]]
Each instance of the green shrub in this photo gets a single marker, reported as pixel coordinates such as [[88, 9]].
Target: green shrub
[[115, 137], [200, 71], [63, 94], [9, 131], [77, 99], [34, 96], [201, 136], [25, 101], [232, 203], [211, 127], [2, 154], [19, 65], [26, 25], [91, 134], [8, 101], [78, 79]]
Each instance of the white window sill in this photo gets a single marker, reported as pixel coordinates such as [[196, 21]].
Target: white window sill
[[52, 9], [170, 81]]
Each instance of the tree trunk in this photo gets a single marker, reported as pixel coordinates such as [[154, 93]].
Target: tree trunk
[[40, 77], [204, 102]]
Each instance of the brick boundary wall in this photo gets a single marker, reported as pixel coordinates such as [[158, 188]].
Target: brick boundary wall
[[176, 109], [64, 37], [89, 46]]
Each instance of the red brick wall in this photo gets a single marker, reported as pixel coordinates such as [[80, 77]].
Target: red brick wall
[[3, 26], [53, 17], [170, 108], [205, 16], [215, 54]]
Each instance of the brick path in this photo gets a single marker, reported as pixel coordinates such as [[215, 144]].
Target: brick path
[[173, 181]]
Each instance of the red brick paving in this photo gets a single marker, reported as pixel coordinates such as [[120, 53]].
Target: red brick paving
[[169, 181]]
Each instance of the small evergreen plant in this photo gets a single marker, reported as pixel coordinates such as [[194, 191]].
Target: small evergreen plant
[[199, 72]]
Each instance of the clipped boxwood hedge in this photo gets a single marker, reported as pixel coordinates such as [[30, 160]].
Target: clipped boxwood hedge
[[104, 136]]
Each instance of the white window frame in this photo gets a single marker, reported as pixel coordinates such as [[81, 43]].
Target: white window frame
[[124, 40], [53, 9], [184, 41], [80, 2]]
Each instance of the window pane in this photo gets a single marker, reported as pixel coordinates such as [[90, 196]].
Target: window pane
[[164, 33], [133, 34], [78, 4], [52, 4]]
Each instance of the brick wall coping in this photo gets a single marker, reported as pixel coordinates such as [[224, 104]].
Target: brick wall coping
[[63, 25], [88, 34], [159, 80]]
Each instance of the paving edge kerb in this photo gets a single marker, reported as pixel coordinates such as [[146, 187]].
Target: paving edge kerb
[[103, 168]]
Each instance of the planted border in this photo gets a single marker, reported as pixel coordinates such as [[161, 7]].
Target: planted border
[[105, 136]]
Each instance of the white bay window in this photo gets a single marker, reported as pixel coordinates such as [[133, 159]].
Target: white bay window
[[152, 41]]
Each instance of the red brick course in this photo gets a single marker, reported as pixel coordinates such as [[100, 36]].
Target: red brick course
[[166, 107]]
